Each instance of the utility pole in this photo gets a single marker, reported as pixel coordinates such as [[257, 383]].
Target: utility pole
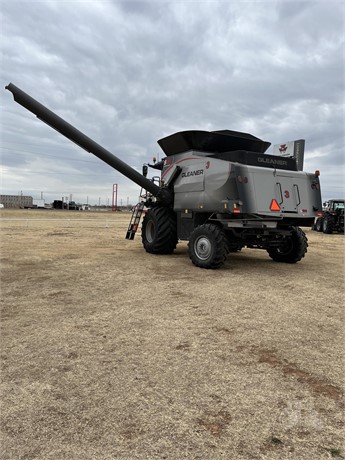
[[114, 197]]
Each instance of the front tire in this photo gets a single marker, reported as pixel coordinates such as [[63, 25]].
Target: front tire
[[159, 231], [293, 249], [319, 223], [207, 246], [328, 224]]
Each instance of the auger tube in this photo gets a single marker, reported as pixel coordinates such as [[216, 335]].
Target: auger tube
[[73, 134]]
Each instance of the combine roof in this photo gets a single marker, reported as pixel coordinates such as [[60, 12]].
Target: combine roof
[[211, 142]]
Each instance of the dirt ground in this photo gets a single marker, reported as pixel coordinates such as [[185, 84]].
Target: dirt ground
[[112, 353]]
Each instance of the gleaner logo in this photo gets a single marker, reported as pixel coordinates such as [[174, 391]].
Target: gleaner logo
[[198, 172], [272, 161]]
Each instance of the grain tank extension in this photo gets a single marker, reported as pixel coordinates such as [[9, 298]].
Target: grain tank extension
[[219, 191]]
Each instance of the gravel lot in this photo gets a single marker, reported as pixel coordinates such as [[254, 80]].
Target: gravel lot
[[112, 353]]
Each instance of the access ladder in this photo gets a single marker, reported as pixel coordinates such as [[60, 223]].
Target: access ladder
[[139, 209], [135, 220]]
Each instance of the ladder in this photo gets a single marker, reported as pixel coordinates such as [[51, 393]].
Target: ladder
[[135, 219], [138, 210]]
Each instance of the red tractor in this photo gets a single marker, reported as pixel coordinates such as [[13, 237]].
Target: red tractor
[[332, 218]]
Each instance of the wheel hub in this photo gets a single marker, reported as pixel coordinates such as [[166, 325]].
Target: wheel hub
[[203, 248], [150, 231]]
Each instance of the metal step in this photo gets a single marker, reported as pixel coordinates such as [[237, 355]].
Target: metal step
[[135, 221]]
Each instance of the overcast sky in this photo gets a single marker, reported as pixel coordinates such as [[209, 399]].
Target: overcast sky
[[129, 73]]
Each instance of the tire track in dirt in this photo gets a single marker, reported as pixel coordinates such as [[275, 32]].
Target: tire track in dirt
[[315, 384]]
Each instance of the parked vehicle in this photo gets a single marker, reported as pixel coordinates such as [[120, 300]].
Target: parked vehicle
[[218, 190], [332, 219]]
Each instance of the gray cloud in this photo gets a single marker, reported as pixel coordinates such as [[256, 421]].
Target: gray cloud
[[129, 73]]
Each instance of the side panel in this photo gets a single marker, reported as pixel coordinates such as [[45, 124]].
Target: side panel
[[203, 184], [288, 192], [211, 185], [192, 178], [190, 185], [297, 193]]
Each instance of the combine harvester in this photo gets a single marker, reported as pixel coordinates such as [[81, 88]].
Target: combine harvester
[[218, 190]]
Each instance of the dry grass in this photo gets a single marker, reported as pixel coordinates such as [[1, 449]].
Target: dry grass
[[111, 353]]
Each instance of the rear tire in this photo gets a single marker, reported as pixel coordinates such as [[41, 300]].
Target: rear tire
[[207, 246], [293, 250], [159, 231], [328, 224], [318, 224]]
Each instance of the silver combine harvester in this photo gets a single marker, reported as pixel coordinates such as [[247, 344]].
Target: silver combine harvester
[[218, 190]]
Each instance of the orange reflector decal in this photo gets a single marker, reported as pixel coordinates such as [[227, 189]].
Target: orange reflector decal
[[274, 205], [237, 210]]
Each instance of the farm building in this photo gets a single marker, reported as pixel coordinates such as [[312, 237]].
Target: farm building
[[16, 201]]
